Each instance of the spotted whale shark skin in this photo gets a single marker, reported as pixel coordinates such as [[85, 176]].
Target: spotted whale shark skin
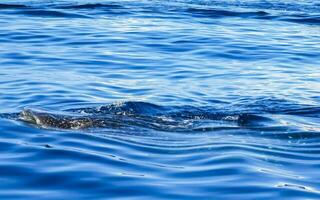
[[46, 119]]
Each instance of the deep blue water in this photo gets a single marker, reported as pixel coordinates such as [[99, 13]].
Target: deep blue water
[[160, 99]]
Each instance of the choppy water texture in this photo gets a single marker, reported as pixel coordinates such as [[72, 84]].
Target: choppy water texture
[[192, 99]]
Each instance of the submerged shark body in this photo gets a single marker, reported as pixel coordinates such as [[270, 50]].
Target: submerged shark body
[[133, 114]]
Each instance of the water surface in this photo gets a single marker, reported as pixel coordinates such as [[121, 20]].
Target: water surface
[[190, 99]]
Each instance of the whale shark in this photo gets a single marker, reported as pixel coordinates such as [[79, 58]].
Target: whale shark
[[142, 115]]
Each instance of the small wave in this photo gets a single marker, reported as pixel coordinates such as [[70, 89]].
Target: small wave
[[215, 13], [124, 108], [12, 6], [92, 6], [309, 112], [51, 13], [312, 20]]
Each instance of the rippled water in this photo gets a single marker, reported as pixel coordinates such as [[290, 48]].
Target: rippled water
[[192, 99]]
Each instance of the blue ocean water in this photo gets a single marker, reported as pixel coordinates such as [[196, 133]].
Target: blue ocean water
[[160, 99]]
